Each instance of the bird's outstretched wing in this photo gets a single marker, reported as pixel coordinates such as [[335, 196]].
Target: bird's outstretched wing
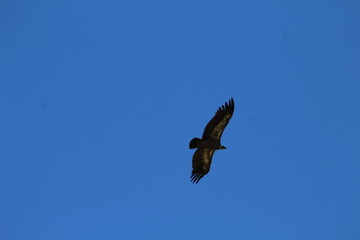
[[217, 124], [201, 163]]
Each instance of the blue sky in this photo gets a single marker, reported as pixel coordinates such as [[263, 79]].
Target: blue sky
[[99, 100]]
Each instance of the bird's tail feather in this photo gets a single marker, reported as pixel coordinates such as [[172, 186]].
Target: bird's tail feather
[[194, 143]]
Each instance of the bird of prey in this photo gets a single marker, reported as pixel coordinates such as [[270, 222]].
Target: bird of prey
[[210, 141]]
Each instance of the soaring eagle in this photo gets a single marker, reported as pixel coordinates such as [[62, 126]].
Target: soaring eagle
[[210, 141]]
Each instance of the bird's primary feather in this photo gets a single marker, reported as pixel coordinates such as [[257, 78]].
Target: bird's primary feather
[[217, 124], [201, 163]]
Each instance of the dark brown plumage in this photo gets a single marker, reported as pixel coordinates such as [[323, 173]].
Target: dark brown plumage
[[210, 141]]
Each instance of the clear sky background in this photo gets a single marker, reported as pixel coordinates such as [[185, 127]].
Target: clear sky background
[[99, 100]]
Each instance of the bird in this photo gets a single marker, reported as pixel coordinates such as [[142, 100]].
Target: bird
[[210, 141]]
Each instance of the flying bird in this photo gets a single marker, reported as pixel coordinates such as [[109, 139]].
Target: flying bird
[[210, 141]]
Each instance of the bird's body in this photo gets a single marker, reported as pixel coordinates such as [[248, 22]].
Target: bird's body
[[210, 141]]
